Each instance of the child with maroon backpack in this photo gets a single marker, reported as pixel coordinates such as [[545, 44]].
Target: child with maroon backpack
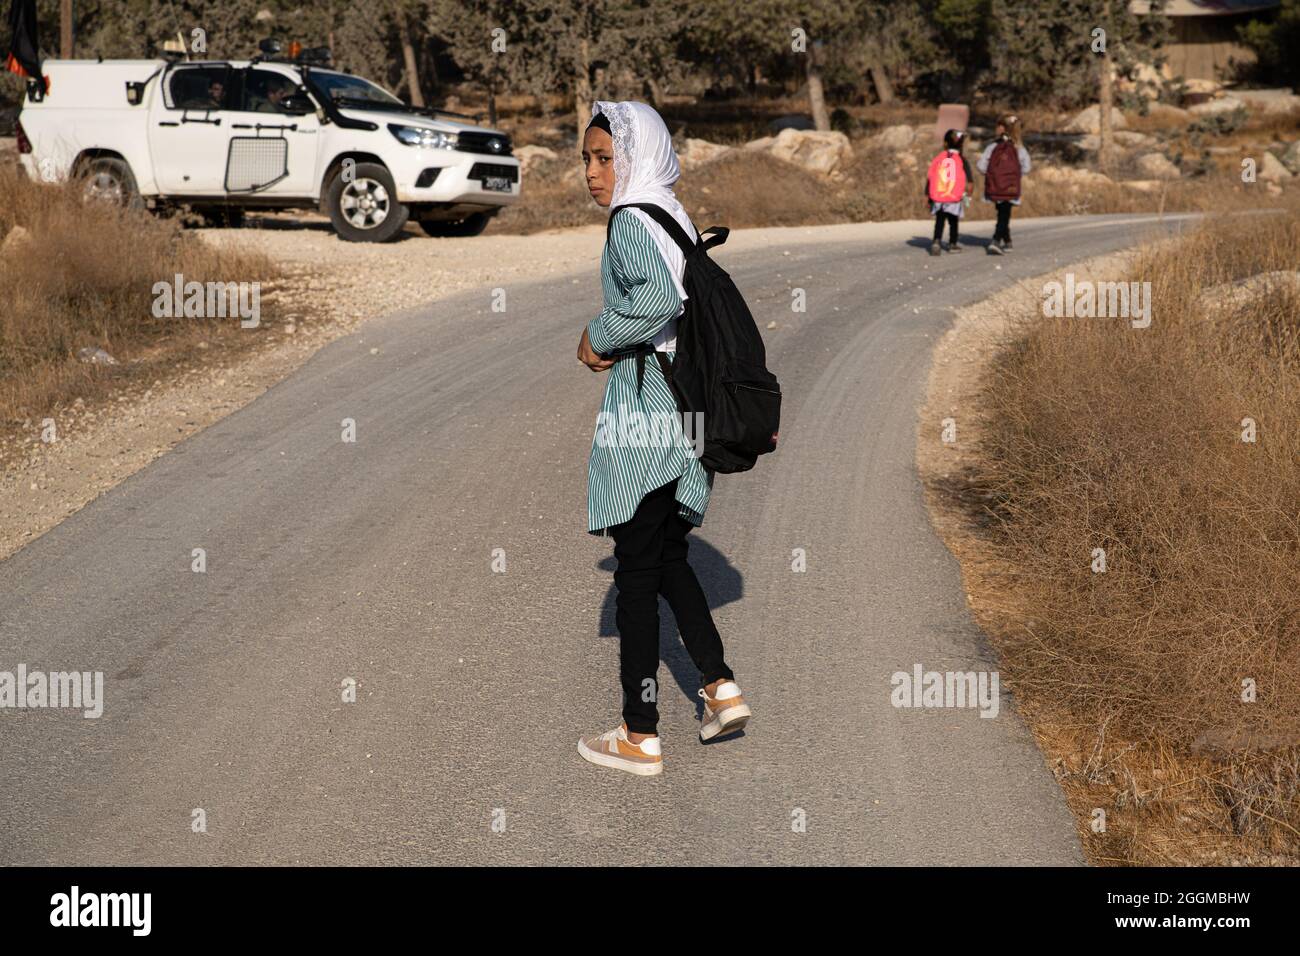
[[1003, 163], [948, 183]]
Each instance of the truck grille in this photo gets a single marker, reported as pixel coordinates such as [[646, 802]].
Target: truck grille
[[480, 170], [471, 141]]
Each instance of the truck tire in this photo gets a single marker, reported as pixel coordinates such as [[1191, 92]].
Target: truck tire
[[107, 179], [471, 225], [365, 208]]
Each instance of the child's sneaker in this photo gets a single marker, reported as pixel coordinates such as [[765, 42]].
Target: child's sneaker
[[1006, 245], [725, 714], [613, 749], [954, 247], [935, 249], [995, 247]]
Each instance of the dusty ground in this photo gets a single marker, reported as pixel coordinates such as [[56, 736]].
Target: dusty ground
[[99, 446]]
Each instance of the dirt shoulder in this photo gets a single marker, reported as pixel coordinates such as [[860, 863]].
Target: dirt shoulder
[[1170, 830]]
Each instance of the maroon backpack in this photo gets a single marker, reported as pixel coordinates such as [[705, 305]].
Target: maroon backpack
[[1002, 181]]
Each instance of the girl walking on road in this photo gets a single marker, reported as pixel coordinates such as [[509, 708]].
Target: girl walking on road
[[948, 184], [1004, 162], [646, 488]]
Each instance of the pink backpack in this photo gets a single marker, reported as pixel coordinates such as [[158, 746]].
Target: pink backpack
[[947, 177]]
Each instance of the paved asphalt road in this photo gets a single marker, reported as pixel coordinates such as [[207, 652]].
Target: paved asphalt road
[[373, 561]]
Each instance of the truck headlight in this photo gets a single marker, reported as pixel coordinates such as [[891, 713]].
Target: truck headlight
[[421, 136]]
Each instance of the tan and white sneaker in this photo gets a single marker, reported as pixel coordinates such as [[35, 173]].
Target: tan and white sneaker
[[725, 714], [613, 749]]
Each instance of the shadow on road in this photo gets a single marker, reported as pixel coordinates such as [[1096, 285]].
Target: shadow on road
[[722, 584]]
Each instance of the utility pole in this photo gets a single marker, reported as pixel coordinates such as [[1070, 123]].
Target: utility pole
[[65, 29]]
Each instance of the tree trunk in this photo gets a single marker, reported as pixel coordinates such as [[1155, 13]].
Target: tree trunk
[[1105, 99], [879, 78], [582, 88], [816, 93], [65, 30], [412, 68], [656, 93]]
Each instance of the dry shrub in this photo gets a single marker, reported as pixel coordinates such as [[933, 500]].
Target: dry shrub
[[1100, 435], [83, 277]]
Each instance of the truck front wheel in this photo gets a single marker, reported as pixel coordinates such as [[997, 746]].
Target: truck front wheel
[[110, 180], [363, 206]]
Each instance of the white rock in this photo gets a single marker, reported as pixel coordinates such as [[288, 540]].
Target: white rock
[[1070, 176], [14, 240], [95, 356], [1291, 157], [529, 156], [895, 137], [815, 151], [697, 152], [1224, 104], [1269, 101], [1144, 185], [1157, 166], [1089, 120], [1271, 170]]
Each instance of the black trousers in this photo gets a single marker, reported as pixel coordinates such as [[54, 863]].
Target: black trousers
[[1003, 229], [939, 219], [651, 552]]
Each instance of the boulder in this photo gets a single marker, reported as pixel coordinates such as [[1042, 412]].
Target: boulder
[[1271, 170], [697, 152], [1224, 104], [530, 156], [1268, 101], [896, 138], [1144, 185], [1157, 166], [15, 240], [1291, 157], [816, 152], [1071, 176], [1089, 120], [1132, 140]]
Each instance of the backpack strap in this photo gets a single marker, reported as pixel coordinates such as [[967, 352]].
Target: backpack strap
[[665, 220]]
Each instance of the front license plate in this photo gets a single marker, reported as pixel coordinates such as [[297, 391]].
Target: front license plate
[[498, 184]]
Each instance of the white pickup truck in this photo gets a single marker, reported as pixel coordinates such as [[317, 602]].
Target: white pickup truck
[[221, 137]]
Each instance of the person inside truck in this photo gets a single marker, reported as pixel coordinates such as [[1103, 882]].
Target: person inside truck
[[214, 99], [269, 95]]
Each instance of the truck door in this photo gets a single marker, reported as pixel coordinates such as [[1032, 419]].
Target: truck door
[[189, 129], [274, 136]]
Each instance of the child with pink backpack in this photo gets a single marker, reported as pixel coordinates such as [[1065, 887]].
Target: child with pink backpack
[[948, 185]]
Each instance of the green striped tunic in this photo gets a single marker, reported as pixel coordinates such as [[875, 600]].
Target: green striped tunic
[[640, 299]]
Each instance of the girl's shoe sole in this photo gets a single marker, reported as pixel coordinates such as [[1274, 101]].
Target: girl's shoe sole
[[616, 763], [730, 721]]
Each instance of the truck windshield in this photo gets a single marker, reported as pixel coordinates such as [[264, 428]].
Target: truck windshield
[[340, 86]]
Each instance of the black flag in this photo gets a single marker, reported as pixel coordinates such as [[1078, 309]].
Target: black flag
[[24, 52]]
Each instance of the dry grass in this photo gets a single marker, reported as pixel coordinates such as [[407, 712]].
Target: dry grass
[[84, 278], [1099, 435]]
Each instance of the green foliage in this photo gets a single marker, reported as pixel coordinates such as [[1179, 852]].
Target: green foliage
[[1276, 42]]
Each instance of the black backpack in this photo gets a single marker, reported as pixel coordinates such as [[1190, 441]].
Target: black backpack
[[720, 368]]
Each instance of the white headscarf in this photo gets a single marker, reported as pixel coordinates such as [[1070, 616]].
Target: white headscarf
[[645, 168]]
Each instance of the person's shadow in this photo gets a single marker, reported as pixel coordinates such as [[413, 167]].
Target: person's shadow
[[722, 584]]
